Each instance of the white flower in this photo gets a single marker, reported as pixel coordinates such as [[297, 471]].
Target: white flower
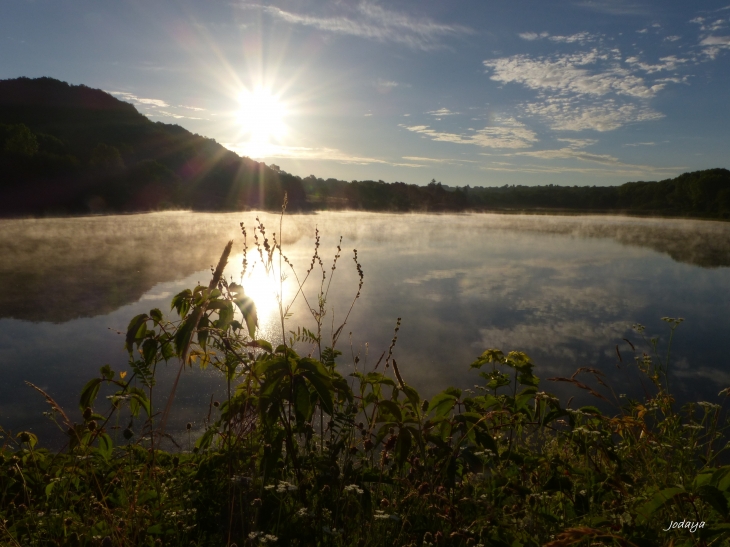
[[353, 488]]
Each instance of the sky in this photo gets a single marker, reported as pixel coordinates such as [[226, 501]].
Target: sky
[[467, 92]]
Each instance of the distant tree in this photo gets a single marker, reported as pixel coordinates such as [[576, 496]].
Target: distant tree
[[21, 141]]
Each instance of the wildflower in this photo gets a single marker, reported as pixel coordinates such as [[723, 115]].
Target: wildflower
[[709, 406], [353, 488]]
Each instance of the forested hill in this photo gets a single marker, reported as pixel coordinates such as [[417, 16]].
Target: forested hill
[[698, 194], [68, 149], [72, 149]]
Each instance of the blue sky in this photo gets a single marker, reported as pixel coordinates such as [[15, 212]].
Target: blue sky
[[582, 92]]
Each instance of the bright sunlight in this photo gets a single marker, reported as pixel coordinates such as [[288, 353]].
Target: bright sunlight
[[261, 117]]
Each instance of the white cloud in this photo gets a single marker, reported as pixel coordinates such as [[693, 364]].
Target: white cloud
[[530, 36], [134, 99], [672, 38], [579, 143], [641, 144], [156, 105], [570, 73], [309, 154], [511, 134], [713, 45], [376, 23], [613, 7], [580, 37], [570, 153], [436, 160], [442, 112], [716, 41], [671, 62], [633, 171], [572, 114]]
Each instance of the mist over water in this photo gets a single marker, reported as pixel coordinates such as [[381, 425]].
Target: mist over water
[[563, 289]]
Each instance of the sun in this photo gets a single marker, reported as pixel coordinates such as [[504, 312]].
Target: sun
[[261, 117]]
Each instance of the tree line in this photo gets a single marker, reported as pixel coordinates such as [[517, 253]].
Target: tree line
[[68, 149]]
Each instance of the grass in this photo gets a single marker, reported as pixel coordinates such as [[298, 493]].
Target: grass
[[298, 454]]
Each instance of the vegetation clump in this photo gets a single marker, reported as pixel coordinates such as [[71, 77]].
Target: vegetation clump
[[299, 454]]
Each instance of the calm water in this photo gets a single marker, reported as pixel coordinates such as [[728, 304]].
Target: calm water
[[563, 289]]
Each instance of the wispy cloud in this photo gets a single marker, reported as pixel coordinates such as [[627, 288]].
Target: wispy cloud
[[571, 73], [573, 154], [376, 23], [614, 7], [437, 160], [311, 154], [579, 38], [510, 134], [530, 36], [579, 143], [155, 106], [442, 112], [134, 99], [638, 171], [671, 62], [575, 114], [640, 144]]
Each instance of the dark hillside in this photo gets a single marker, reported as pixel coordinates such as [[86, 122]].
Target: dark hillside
[[73, 149]]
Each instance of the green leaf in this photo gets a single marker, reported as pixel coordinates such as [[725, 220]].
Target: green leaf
[[262, 344], [714, 497], [156, 315], [184, 333], [403, 446], [27, 437], [489, 356], [107, 372], [412, 395], [302, 401], [485, 440], [89, 393], [248, 310], [225, 316], [135, 331], [658, 501], [391, 408], [137, 399], [442, 404], [149, 350], [206, 439], [325, 397], [713, 530], [155, 530], [105, 445], [181, 302]]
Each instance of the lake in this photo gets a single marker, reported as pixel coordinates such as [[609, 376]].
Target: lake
[[564, 289]]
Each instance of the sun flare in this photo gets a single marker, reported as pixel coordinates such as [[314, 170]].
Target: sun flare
[[261, 117]]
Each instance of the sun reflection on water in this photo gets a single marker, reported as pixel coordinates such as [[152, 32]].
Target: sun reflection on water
[[264, 288]]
